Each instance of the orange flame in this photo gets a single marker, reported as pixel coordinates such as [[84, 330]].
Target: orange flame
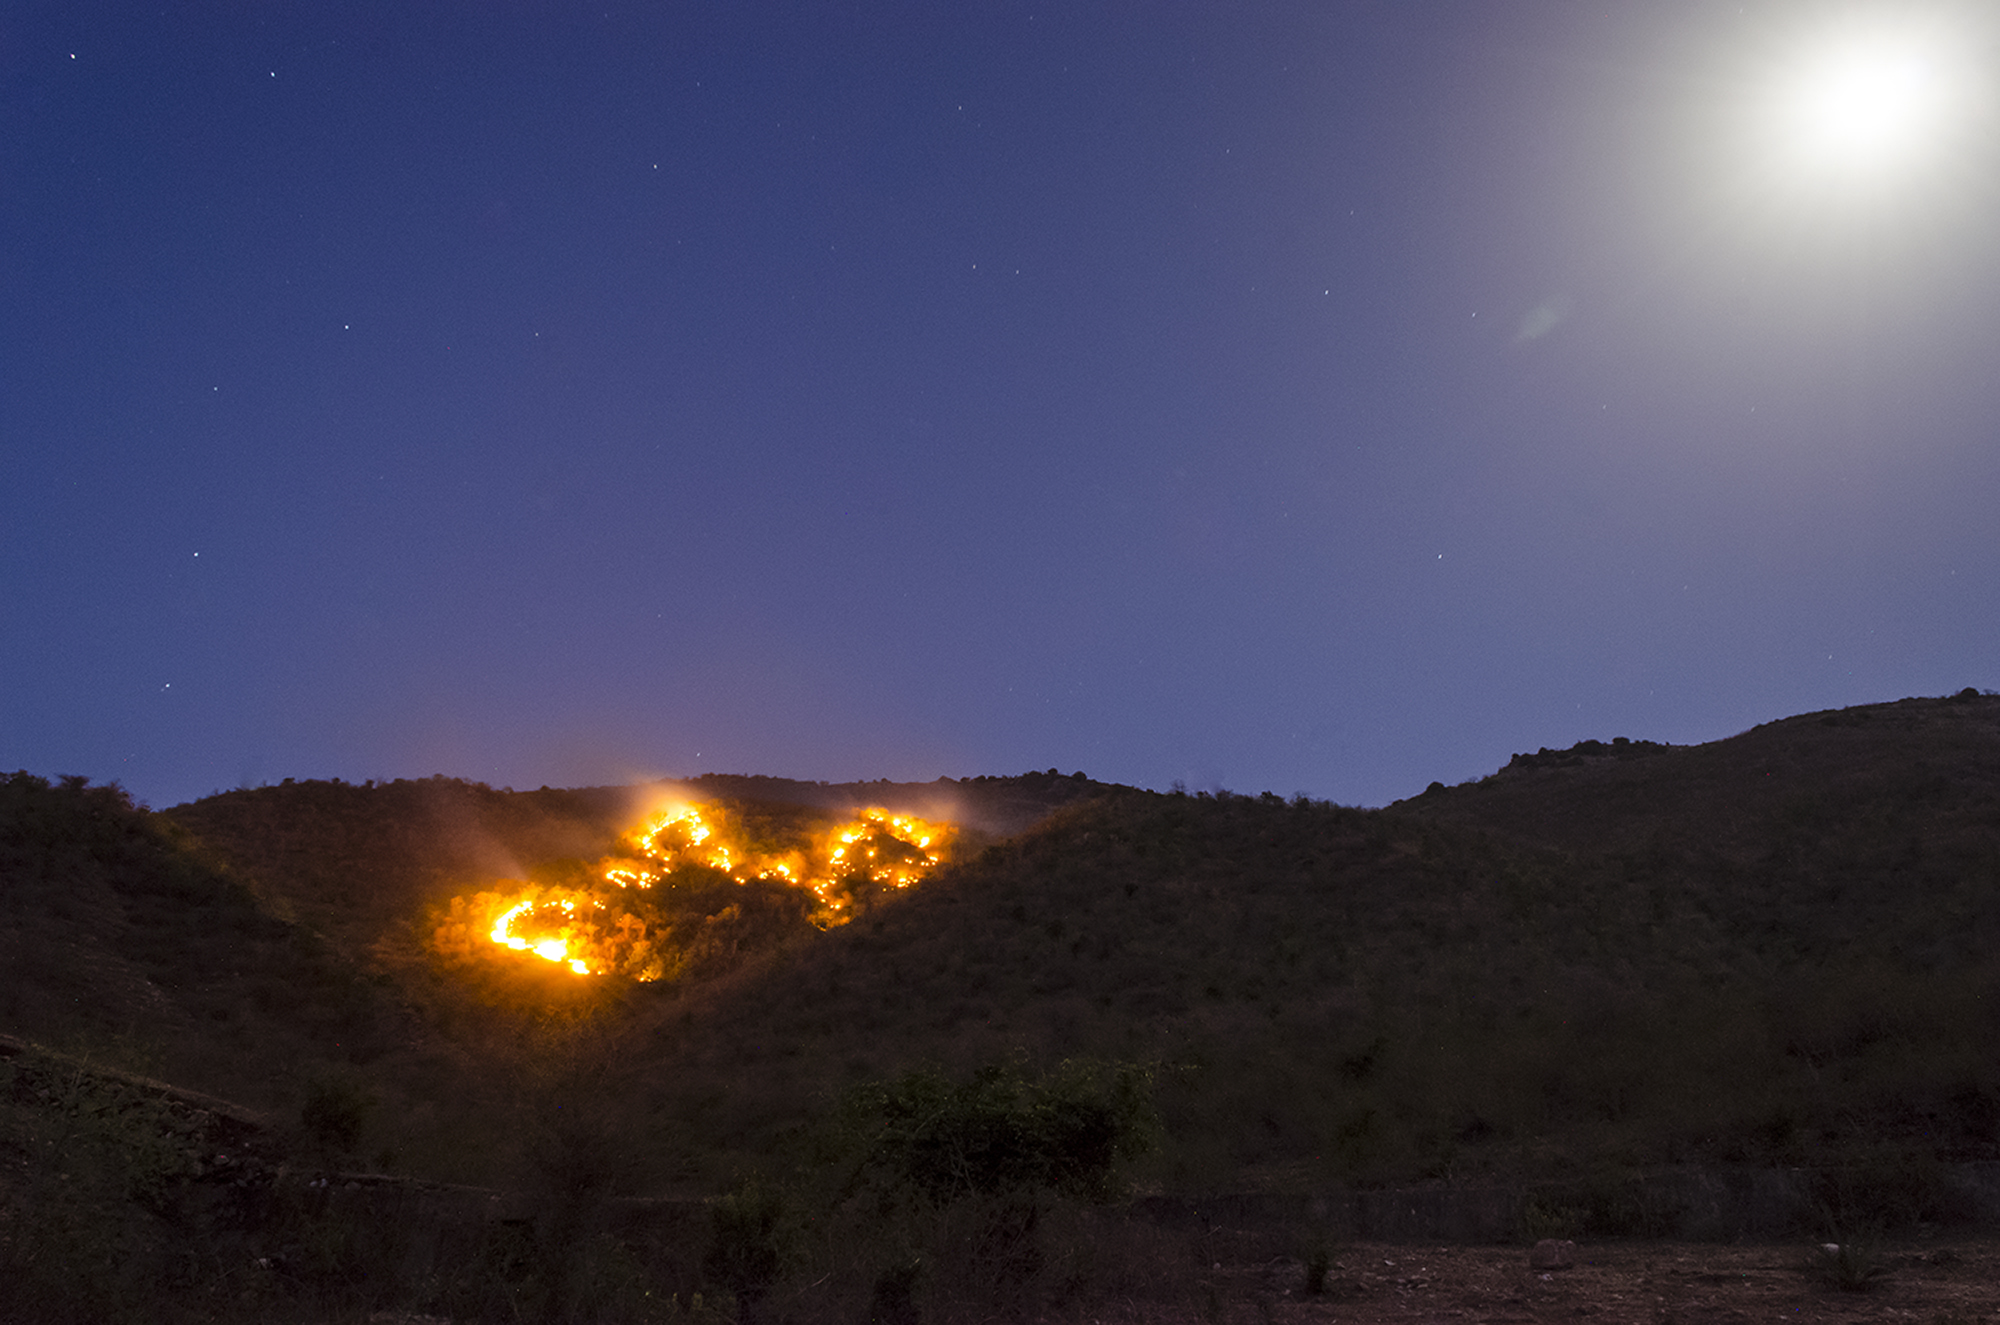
[[554, 947], [592, 934]]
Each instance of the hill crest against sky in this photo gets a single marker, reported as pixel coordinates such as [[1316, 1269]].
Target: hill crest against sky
[[1774, 948]]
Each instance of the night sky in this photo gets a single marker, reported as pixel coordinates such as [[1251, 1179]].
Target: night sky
[[1320, 398]]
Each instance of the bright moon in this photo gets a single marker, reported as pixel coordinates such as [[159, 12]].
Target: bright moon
[[1861, 104], [1864, 106], [1870, 121]]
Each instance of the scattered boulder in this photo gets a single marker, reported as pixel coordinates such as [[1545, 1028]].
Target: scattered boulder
[[1552, 1254]]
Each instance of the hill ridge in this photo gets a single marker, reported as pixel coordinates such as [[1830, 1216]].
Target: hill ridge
[[1775, 948]]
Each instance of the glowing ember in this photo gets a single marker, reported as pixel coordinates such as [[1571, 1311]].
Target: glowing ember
[[537, 921], [600, 926]]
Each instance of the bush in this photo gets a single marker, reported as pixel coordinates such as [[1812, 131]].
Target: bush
[[1853, 1265], [999, 1133], [926, 1193]]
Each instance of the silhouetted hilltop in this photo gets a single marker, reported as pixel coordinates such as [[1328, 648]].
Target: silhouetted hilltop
[[1583, 752], [1901, 777], [997, 805]]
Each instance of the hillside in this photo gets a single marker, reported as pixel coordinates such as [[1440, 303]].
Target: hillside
[[1777, 948], [1350, 996], [260, 941], [123, 940], [1871, 830], [359, 863], [1876, 771]]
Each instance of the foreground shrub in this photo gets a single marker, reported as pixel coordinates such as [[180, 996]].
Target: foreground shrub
[[925, 1194], [924, 1136]]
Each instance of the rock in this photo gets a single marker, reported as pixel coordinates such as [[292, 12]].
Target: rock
[[1552, 1254]]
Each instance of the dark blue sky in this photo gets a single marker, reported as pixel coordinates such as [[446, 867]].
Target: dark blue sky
[[1300, 397]]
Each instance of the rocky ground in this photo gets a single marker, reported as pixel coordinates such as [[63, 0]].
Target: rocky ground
[[1935, 1280]]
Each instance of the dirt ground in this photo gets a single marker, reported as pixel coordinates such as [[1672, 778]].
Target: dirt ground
[[1937, 1280]]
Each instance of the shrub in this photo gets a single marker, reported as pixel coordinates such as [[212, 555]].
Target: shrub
[[999, 1133], [928, 1192], [1853, 1265]]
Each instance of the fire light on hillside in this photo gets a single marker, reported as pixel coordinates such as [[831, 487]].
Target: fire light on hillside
[[550, 947], [622, 918]]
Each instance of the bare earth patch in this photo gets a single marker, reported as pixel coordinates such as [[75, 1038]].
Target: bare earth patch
[[1932, 1280]]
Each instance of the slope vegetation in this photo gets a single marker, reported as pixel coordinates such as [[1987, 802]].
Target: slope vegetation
[[1774, 949]]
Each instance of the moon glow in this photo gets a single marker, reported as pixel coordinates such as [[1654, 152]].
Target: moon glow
[[1861, 104], [1861, 126]]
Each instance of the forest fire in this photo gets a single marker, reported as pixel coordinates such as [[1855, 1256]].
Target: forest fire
[[550, 947], [689, 875]]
